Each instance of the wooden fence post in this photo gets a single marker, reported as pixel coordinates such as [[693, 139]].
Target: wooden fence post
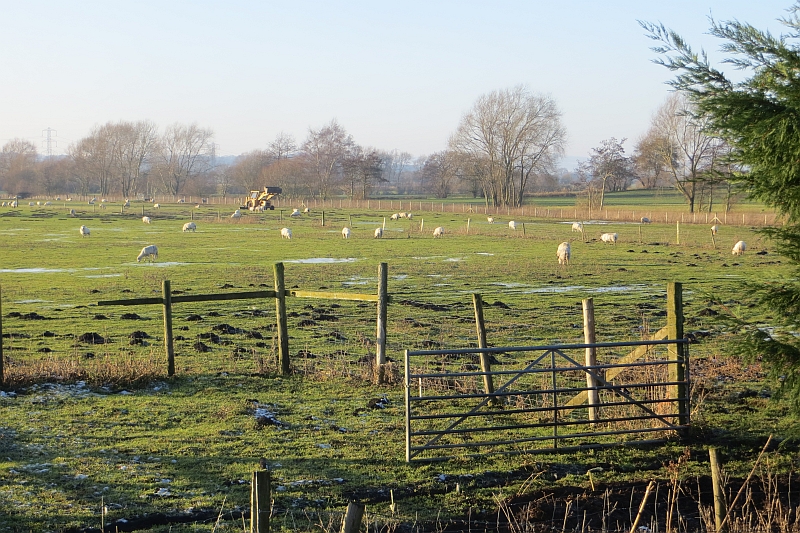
[[2, 375], [719, 491], [677, 352], [352, 518], [260, 502], [280, 312], [168, 346], [486, 365], [380, 335], [591, 357], [323, 219]]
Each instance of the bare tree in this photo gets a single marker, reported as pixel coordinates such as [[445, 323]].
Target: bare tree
[[510, 135], [440, 171], [94, 160], [17, 165], [691, 155], [324, 152], [362, 169], [134, 145], [283, 147], [650, 154], [248, 170], [182, 155], [608, 168], [395, 165]]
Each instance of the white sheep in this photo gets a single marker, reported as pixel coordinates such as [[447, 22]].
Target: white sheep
[[181, 200], [150, 251], [394, 216], [409, 216], [512, 224], [438, 232], [609, 237], [14, 203], [38, 203], [345, 233], [714, 229], [103, 201], [577, 226], [93, 200], [4, 204], [156, 206], [306, 210], [84, 231], [286, 233], [563, 253], [31, 204], [378, 233], [403, 215], [739, 248], [296, 213], [236, 214], [127, 203], [72, 212], [490, 220], [645, 220], [190, 226], [48, 203], [146, 220]]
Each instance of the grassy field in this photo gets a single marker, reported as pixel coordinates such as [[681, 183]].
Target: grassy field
[[95, 433]]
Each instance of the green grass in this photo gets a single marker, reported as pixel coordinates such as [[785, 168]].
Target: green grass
[[199, 430]]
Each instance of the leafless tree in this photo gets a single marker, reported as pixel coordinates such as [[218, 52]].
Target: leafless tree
[[283, 147], [324, 152], [17, 165], [362, 169], [691, 155], [134, 145], [94, 160], [510, 135], [650, 154], [248, 170], [440, 171], [395, 166], [183, 154], [608, 168]]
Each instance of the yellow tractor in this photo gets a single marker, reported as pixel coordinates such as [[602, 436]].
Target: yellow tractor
[[260, 200]]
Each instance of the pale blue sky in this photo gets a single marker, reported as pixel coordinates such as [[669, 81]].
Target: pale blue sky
[[396, 75]]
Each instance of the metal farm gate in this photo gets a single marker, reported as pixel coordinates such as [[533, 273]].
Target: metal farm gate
[[540, 398]]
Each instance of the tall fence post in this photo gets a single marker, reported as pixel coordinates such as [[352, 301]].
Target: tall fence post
[[677, 352], [168, 346], [486, 365], [280, 312], [352, 518], [260, 502], [380, 335], [719, 491], [2, 375], [591, 357]]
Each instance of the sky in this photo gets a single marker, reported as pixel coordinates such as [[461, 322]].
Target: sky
[[395, 74]]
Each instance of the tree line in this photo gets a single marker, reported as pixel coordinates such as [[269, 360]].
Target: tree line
[[507, 146]]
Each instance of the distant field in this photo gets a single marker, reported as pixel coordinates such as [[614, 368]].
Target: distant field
[[113, 438]]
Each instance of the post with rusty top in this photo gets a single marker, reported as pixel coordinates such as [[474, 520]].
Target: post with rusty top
[[486, 365], [380, 335], [283, 325], [677, 352], [591, 358], [168, 346]]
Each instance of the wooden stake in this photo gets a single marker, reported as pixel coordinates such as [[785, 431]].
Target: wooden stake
[[719, 490], [380, 335], [642, 506], [2, 375], [168, 346], [260, 502], [352, 518], [282, 319], [677, 352], [591, 357], [486, 365]]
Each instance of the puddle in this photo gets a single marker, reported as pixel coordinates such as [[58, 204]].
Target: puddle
[[31, 301], [43, 270], [595, 290], [322, 260], [483, 253], [453, 259], [105, 276], [156, 264], [358, 281], [400, 277], [509, 285]]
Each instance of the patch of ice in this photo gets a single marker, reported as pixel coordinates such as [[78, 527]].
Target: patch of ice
[[322, 260]]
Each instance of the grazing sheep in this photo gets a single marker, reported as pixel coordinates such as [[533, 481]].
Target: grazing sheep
[[739, 248], [14, 203], [438, 232], [197, 206], [306, 210], [394, 216], [146, 220], [409, 216], [190, 226], [378, 233], [645, 220], [236, 214], [346, 233], [84, 231], [127, 203], [150, 251], [512, 225], [31, 204], [103, 201], [48, 203], [403, 215], [156, 206], [609, 237], [4, 204], [577, 226], [181, 201], [93, 200], [563, 253], [714, 229], [286, 233], [490, 220], [296, 213], [38, 203], [72, 212]]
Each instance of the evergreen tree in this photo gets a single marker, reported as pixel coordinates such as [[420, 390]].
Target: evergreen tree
[[759, 117]]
